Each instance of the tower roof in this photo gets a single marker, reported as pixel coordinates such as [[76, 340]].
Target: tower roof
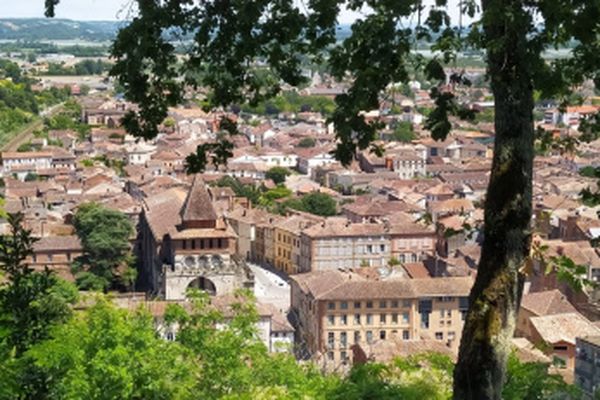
[[198, 205]]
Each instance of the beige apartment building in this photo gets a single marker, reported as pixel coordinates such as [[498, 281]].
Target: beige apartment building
[[287, 241], [410, 241], [265, 242], [334, 310], [244, 222], [335, 244]]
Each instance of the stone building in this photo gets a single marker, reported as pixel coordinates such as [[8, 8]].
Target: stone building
[[557, 335], [287, 241], [244, 222], [410, 241], [335, 244], [406, 165], [56, 253], [184, 244], [334, 310]]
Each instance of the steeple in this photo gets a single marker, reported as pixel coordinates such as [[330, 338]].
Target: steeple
[[197, 210]]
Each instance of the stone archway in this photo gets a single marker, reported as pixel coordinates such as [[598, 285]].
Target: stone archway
[[204, 284]]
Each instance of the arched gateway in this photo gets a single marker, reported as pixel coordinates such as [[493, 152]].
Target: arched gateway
[[197, 250], [204, 284]]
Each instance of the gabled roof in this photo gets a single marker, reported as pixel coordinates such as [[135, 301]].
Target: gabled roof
[[390, 349], [403, 224], [57, 243], [338, 285], [451, 205], [163, 212], [416, 270], [9, 155], [376, 208], [563, 327], [547, 302], [198, 205], [440, 189]]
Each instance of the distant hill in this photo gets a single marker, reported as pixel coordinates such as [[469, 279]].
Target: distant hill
[[33, 29]]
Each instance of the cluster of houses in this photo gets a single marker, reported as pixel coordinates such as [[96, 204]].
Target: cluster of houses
[[390, 274]]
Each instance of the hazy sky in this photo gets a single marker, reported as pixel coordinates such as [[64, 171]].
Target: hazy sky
[[71, 9], [107, 9], [84, 9]]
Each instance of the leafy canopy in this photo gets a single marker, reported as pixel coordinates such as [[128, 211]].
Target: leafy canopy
[[104, 235], [31, 304], [109, 353], [106, 353], [319, 204], [30, 301], [403, 132], [306, 142], [277, 174]]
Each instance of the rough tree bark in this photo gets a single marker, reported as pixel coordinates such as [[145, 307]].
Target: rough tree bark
[[496, 294]]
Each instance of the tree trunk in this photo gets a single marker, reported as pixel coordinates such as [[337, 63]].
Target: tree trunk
[[496, 294]]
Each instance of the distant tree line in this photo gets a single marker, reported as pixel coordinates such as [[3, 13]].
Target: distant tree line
[[85, 67], [33, 48], [18, 103], [293, 102]]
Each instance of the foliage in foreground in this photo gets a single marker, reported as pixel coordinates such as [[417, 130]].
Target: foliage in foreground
[[31, 303], [110, 353], [104, 352]]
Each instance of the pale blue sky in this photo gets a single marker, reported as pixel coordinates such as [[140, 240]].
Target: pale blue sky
[[100, 9], [71, 9]]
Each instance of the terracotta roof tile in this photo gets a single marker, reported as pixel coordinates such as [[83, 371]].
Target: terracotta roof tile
[[344, 229], [388, 350], [163, 212], [416, 270], [57, 243], [563, 327], [547, 303], [338, 285], [198, 204]]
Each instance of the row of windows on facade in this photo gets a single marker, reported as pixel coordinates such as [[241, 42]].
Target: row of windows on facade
[[342, 339], [343, 305], [204, 244], [425, 323], [383, 318], [347, 250], [343, 319], [284, 253], [402, 258], [281, 265], [50, 257], [288, 240], [283, 335], [325, 250], [329, 241]]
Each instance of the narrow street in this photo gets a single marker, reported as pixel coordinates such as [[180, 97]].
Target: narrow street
[[270, 288]]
